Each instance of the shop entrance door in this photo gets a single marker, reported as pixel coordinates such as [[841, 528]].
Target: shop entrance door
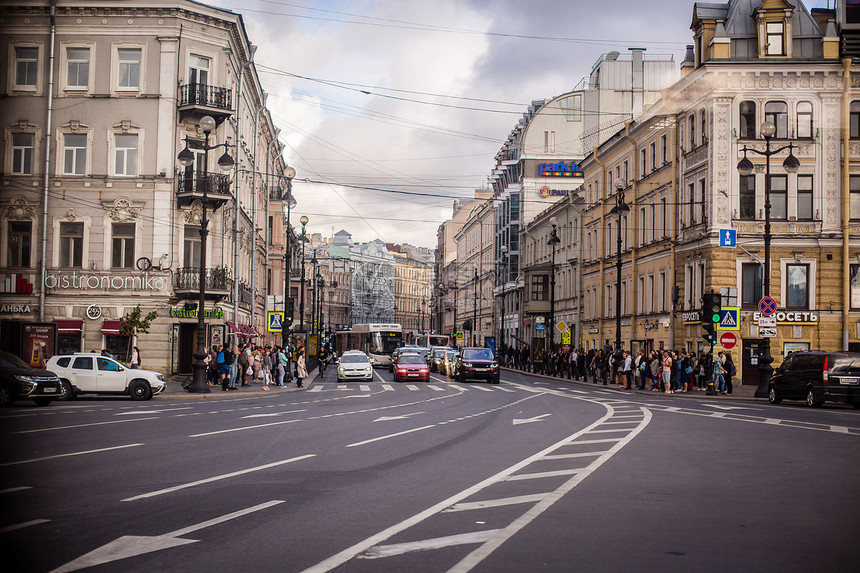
[[187, 346], [750, 365]]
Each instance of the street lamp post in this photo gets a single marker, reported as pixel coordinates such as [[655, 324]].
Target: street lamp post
[[620, 208], [475, 311], [225, 163], [553, 241], [289, 202], [503, 279], [745, 167], [303, 238]]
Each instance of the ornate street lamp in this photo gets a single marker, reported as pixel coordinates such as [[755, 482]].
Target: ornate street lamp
[[290, 203], [303, 238], [503, 279], [620, 208], [475, 311], [553, 241], [745, 167], [225, 163]]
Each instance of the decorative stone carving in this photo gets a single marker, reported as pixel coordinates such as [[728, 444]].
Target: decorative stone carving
[[126, 126], [193, 215], [122, 210], [71, 215], [20, 210], [75, 126]]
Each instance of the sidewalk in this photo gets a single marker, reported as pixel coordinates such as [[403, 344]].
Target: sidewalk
[[739, 392], [174, 390]]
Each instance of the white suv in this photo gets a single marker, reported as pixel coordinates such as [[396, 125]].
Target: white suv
[[91, 373]]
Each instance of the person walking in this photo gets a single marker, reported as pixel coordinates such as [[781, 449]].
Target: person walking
[[731, 372], [266, 368], [719, 375], [134, 363], [283, 367], [234, 367], [626, 371], [301, 368]]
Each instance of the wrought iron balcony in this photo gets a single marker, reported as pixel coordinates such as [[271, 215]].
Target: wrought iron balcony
[[245, 294], [186, 283], [190, 186], [202, 99]]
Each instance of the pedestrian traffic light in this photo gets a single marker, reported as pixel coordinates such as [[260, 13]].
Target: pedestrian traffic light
[[711, 311]]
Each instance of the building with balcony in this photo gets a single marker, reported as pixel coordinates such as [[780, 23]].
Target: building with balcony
[[98, 215]]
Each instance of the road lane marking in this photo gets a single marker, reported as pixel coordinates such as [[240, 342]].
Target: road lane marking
[[501, 502], [437, 543], [518, 421], [100, 450], [218, 478], [370, 441], [541, 475], [14, 489], [412, 387], [271, 414], [9, 528], [86, 425], [216, 432], [133, 545], [136, 412], [387, 387], [434, 387]]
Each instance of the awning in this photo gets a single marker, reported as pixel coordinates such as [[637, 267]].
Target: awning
[[111, 327], [242, 330], [233, 327], [68, 326]]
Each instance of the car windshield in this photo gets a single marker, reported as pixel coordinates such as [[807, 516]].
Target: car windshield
[[354, 358], [479, 354], [9, 360], [411, 359]]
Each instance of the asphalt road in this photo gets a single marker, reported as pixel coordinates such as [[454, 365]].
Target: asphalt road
[[532, 474]]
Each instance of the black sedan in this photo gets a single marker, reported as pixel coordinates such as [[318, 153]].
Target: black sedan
[[20, 381]]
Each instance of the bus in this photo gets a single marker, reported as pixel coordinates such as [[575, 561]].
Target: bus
[[431, 340], [378, 341]]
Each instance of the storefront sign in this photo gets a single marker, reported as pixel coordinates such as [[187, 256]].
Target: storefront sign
[[84, 281], [593, 331], [38, 343], [691, 317], [547, 192], [14, 308], [560, 169], [94, 312], [192, 313], [783, 317]]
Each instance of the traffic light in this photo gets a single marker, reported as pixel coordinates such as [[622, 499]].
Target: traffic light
[[711, 312]]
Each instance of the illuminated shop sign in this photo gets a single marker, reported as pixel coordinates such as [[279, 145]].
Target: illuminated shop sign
[[192, 313], [84, 281], [560, 169], [547, 192]]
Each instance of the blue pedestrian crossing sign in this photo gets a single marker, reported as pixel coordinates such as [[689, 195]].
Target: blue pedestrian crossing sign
[[728, 238], [276, 322], [729, 318]]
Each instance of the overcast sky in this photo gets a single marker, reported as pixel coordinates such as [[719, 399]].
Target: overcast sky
[[399, 106]]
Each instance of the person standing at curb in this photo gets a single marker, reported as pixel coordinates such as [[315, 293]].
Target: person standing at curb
[[301, 368], [731, 371], [266, 366], [134, 363]]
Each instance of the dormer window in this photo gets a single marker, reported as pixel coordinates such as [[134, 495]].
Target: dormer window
[[775, 32]]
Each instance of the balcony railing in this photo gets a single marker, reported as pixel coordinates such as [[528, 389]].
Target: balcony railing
[[245, 294], [190, 185], [205, 96], [186, 281]]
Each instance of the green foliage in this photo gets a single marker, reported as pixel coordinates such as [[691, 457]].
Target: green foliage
[[132, 324]]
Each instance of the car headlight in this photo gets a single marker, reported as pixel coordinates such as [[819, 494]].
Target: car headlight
[[159, 377], [341, 369], [25, 378], [494, 365], [467, 364]]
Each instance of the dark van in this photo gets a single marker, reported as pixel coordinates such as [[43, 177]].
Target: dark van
[[817, 377]]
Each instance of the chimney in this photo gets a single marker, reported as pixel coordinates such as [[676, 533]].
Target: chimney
[[638, 81]]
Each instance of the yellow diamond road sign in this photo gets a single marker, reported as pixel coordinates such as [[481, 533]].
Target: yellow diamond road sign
[[561, 326]]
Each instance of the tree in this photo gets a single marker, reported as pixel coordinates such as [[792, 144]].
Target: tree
[[131, 324]]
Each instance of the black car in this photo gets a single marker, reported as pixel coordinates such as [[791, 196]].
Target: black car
[[20, 381], [817, 377], [478, 363]]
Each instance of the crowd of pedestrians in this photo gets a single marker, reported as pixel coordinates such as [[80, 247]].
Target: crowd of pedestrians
[[233, 365], [667, 371]]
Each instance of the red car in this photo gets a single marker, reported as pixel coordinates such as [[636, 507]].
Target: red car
[[411, 367]]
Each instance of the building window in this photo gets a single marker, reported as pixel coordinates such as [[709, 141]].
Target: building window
[[19, 240], [128, 72], [774, 32], [854, 197], [653, 149], [125, 155], [776, 112], [122, 248], [778, 197], [26, 67], [77, 68], [23, 153], [797, 286], [572, 107], [540, 287], [751, 283], [747, 197], [804, 197], [703, 120], [854, 281], [643, 165], [74, 154], [747, 120], [854, 120], [664, 157], [549, 142], [192, 247], [71, 244], [804, 120], [198, 70]]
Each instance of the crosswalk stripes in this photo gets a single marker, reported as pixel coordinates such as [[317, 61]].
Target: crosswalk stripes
[[441, 387], [387, 387]]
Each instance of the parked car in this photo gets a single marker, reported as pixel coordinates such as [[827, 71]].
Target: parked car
[[449, 363], [817, 377], [478, 363], [411, 367], [354, 365], [402, 350], [92, 373], [20, 381]]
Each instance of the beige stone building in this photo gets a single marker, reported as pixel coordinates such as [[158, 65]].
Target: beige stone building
[[413, 287]]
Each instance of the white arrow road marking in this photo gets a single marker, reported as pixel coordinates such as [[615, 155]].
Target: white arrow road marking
[[132, 545], [518, 421], [729, 407], [403, 417], [151, 411], [217, 478], [272, 414]]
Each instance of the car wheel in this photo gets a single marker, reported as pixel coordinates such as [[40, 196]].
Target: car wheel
[[773, 395], [7, 398], [495, 381], [811, 400], [139, 390], [42, 401], [67, 392]]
